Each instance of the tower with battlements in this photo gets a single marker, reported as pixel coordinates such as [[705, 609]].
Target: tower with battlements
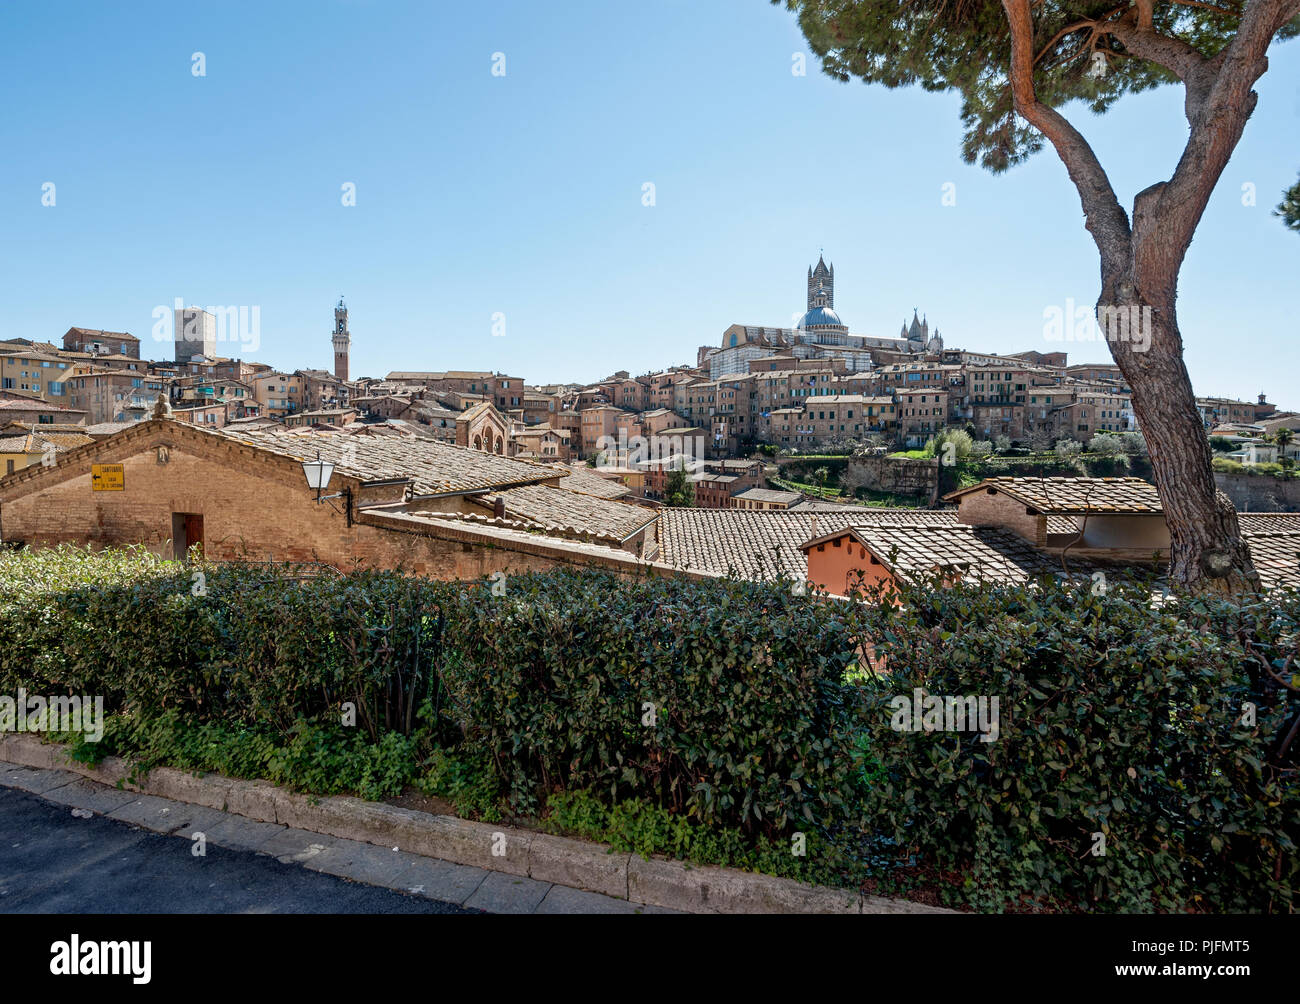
[[342, 340]]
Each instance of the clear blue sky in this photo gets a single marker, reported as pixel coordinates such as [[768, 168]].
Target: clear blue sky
[[522, 194]]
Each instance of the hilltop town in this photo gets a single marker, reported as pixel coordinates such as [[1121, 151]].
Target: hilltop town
[[460, 474]]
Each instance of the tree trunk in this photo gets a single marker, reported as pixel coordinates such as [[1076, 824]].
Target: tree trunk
[[1207, 552]]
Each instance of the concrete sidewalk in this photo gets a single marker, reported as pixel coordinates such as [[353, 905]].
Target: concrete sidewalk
[[247, 845]]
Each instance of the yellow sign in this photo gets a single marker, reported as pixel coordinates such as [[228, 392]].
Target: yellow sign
[[107, 477]]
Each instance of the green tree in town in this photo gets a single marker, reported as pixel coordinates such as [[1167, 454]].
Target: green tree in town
[[950, 445], [1284, 437], [1015, 63], [679, 490]]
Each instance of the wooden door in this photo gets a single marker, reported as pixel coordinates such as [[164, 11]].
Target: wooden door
[[194, 531]]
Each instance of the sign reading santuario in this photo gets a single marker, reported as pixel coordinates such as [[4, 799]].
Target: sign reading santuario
[[107, 477]]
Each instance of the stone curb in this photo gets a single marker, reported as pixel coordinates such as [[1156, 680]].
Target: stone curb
[[546, 858]]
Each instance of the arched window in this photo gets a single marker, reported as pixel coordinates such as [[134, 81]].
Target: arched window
[[478, 442], [500, 445], [733, 340]]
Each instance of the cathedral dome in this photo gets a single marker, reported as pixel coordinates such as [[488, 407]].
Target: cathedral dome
[[819, 317]]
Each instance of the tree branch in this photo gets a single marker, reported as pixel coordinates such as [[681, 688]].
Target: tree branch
[[1224, 109], [1106, 219], [1183, 60], [1206, 6]]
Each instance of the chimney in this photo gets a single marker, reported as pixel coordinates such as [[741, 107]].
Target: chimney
[[499, 508]]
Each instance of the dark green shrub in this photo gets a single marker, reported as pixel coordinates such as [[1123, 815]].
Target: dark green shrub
[[753, 720], [1117, 716], [221, 643], [1115, 719]]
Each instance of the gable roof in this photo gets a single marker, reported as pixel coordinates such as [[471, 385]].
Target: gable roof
[[571, 513], [432, 467], [1276, 557], [769, 495], [976, 553], [123, 335], [36, 440], [583, 479], [473, 412], [753, 543], [25, 404], [1073, 496]]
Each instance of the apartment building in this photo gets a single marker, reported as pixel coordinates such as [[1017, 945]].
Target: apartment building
[[279, 394], [112, 395]]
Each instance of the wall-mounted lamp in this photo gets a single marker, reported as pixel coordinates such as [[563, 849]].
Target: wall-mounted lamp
[[318, 474]]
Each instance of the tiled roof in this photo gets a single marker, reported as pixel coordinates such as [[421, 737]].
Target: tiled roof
[[1074, 496], [1059, 525], [975, 553], [472, 412], [35, 442], [754, 543], [433, 466], [1274, 540], [905, 517], [49, 356], [769, 495], [583, 479], [824, 507], [33, 405], [570, 513], [108, 334], [1255, 523], [1276, 557]]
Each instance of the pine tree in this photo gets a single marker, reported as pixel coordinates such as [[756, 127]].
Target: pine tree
[[1015, 63], [1289, 207]]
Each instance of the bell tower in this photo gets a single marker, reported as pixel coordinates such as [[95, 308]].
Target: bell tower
[[342, 339], [821, 285]]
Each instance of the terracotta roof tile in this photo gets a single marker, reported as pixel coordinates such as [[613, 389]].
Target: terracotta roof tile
[[434, 467], [582, 479], [975, 553], [1068, 496], [571, 513]]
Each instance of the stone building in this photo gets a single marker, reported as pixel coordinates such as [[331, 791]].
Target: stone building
[[483, 428], [102, 342], [395, 502]]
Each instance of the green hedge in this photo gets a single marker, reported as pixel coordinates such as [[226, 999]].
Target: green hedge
[[753, 717], [1115, 719], [231, 644], [1117, 716]]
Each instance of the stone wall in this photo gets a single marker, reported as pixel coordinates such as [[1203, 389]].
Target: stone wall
[[902, 477], [1256, 493]]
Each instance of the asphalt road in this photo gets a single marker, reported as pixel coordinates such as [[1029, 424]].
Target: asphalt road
[[54, 862]]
